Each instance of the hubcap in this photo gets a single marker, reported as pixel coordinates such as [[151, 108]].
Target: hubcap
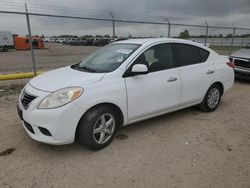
[[104, 128], [213, 98]]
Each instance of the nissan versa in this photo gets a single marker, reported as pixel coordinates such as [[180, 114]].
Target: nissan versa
[[122, 83]]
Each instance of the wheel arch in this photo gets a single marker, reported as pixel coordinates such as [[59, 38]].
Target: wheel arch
[[220, 84], [117, 111], [116, 108]]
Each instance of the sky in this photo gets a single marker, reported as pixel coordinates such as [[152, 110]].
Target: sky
[[215, 12]]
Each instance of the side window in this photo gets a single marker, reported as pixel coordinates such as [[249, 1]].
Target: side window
[[186, 54], [203, 55], [157, 58]]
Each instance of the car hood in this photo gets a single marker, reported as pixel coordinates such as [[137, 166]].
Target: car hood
[[64, 77], [242, 53]]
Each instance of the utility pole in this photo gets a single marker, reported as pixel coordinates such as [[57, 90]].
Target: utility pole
[[206, 33], [30, 40], [232, 41], [169, 24], [113, 23]]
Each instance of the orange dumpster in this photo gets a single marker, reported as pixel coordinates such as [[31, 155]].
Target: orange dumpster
[[22, 43]]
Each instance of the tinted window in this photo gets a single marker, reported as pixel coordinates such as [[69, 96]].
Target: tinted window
[[159, 57], [186, 54], [203, 55]]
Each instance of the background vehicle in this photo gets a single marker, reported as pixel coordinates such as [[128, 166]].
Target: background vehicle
[[60, 40], [101, 42], [122, 83], [47, 40], [76, 42], [37, 43], [89, 42], [6, 40], [241, 59]]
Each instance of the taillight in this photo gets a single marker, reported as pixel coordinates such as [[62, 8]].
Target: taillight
[[231, 64]]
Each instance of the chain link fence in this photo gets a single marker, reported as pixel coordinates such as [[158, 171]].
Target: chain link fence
[[71, 34]]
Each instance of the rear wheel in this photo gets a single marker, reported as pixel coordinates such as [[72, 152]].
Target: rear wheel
[[97, 127], [212, 99]]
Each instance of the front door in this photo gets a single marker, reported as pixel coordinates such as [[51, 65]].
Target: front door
[[157, 91]]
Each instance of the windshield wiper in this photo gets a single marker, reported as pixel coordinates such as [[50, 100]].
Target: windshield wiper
[[87, 69], [83, 68]]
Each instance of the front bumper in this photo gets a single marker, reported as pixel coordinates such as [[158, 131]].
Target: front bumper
[[241, 72], [52, 126]]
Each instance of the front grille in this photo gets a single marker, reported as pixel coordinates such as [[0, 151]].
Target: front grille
[[26, 99], [240, 63]]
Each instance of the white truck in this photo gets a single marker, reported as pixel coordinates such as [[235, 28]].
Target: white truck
[[6, 40]]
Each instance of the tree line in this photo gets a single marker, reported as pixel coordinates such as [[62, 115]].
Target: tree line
[[186, 34]]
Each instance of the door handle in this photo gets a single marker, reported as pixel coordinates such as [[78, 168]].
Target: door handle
[[210, 71], [172, 79]]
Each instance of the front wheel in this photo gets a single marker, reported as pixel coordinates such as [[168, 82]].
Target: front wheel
[[212, 99], [97, 127]]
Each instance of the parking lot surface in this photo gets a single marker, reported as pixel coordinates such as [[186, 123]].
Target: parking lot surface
[[53, 56], [187, 148]]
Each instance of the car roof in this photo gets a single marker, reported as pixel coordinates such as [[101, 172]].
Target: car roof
[[145, 40], [149, 41]]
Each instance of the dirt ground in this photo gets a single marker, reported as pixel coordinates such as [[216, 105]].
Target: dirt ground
[[187, 148]]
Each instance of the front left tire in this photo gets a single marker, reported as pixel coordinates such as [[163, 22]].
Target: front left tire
[[97, 127]]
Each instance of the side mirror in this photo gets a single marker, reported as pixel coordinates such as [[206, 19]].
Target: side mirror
[[139, 69]]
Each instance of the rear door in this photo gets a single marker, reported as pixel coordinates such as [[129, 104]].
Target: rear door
[[197, 72]]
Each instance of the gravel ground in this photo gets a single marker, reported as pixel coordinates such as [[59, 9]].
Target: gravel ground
[[53, 56], [187, 148]]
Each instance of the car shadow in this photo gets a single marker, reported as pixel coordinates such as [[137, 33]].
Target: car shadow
[[122, 134], [157, 121]]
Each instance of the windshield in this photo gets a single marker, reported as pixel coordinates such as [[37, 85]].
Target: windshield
[[107, 59]]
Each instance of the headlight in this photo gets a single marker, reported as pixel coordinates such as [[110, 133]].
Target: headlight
[[60, 97]]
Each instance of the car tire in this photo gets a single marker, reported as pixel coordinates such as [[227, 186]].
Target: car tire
[[97, 127], [212, 99]]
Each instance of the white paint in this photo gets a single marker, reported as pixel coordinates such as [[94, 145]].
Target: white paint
[[139, 97]]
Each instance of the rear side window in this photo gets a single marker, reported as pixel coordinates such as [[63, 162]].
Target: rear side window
[[203, 55], [188, 55]]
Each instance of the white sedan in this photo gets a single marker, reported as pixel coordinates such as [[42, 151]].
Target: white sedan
[[122, 83]]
